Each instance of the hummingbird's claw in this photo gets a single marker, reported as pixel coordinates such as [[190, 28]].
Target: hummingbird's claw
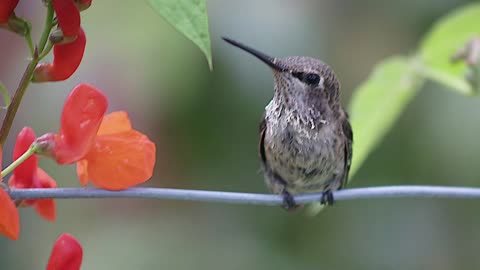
[[289, 203], [327, 198]]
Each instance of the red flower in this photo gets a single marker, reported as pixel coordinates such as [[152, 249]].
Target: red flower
[[29, 175], [6, 9], [66, 59], [81, 117], [9, 218], [68, 17], [121, 156], [107, 150], [66, 254]]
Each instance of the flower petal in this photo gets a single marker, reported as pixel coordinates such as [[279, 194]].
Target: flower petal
[[68, 17], [66, 59], [45, 207], [24, 173], [6, 9], [66, 254], [9, 218], [82, 172], [81, 118], [122, 160], [115, 122], [46, 181]]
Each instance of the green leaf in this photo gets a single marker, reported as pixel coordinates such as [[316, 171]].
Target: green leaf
[[450, 34], [5, 95], [378, 102], [190, 18]]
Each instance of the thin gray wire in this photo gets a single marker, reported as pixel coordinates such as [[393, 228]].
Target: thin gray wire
[[249, 198]]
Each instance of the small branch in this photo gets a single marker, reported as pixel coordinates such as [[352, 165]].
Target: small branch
[[46, 51], [30, 151], [27, 75], [31, 47], [248, 198], [47, 28], [16, 100]]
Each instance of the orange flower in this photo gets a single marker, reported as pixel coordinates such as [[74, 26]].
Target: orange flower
[[9, 218], [107, 150], [66, 254], [29, 175], [121, 157]]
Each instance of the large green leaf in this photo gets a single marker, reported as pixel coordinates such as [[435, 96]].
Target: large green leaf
[[190, 18], [447, 36], [378, 102]]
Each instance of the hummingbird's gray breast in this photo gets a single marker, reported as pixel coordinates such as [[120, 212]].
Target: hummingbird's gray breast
[[305, 152]]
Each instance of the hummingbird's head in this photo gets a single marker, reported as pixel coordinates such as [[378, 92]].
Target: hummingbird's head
[[298, 76]]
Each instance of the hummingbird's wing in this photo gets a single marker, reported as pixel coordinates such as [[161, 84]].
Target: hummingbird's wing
[[275, 182], [347, 148], [261, 147]]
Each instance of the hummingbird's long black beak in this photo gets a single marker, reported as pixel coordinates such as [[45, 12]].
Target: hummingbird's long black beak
[[272, 62]]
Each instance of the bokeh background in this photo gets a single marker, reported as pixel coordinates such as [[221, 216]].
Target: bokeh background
[[205, 126]]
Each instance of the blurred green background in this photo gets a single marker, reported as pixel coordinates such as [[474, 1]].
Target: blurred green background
[[205, 126]]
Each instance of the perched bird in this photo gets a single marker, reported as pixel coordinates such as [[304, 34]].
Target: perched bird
[[305, 137]]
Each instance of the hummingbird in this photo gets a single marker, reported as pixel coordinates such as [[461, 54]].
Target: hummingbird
[[305, 137]]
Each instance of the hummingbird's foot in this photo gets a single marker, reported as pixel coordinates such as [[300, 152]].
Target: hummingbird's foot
[[327, 198], [289, 203]]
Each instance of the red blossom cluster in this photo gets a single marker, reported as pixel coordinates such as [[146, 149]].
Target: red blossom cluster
[[105, 148], [69, 39], [29, 175]]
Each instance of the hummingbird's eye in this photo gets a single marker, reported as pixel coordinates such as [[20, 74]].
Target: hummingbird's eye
[[311, 78], [308, 78]]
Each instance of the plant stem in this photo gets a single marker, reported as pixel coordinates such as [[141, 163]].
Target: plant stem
[[444, 79], [31, 47], [31, 150], [27, 76], [47, 27], [46, 51], [5, 95], [17, 98]]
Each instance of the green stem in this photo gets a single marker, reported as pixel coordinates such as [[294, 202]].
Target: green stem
[[6, 96], [27, 77], [31, 47], [17, 98], [47, 28], [31, 150], [46, 51], [444, 79]]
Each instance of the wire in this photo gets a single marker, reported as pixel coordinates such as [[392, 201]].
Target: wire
[[248, 198]]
